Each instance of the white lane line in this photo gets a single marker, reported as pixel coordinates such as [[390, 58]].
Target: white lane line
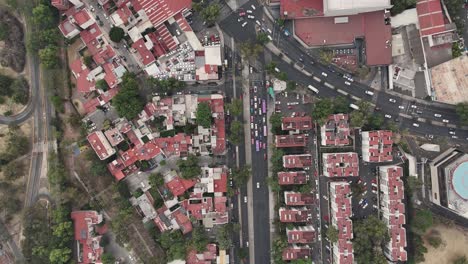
[[329, 85], [342, 92]]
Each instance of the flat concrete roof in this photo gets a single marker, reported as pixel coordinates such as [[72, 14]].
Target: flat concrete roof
[[449, 81]]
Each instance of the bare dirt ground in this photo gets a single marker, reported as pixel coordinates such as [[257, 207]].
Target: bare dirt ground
[[13, 52], [454, 244], [26, 128]]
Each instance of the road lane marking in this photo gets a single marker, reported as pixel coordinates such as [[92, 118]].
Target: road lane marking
[[329, 85], [356, 98], [317, 79], [342, 92]]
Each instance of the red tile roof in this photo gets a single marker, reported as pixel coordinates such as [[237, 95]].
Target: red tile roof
[[377, 146], [124, 13], [205, 257], [297, 161], [292, 177], [110, 77], [430, 16], [146, 57], [158, 11], [198, 207], [81, 72], [220, 185], [90, 35], [100, 145], [84, 222], [290, 141], [298, 122], [61, 4], [183, 221], [294, 252], [183, 24], [340, 164], [301, 234], [297, 198], [295, 9], [216, 103], [177, 145], [178, 186], [371, 26], [294, 215]]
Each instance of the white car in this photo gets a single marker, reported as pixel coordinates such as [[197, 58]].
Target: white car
[[258, 185], [249, 11], [370, 93], [391, 100], [401, 107], [245, 199], [251, 17], [255, 105], [437, 115], [258, 22], [414, 106], [255, 126], [452, 132], [243, 24], [324, 74], [445, 120], [253, 7], [454, 137], [256, 133], [251, 125], [347, 83], [388, 116], [415, 124]]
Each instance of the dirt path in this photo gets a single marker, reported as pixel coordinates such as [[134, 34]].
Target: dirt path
[[454, 244]]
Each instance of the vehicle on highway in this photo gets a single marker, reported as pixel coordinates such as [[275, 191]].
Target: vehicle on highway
[[249, 11], [265, 132], [277, 70], [388, 116], [256, 134], [253, 7], [414, 106], [264, 145], [437, 115], [245, 201], [253, 141], [264, 156], [241, 12], [313, 89], [415, 124], [445, 120], [243, 24], [252, 124], [391, 100], [269, 31], [365, 206], [401, 107], [251, 17], [255, 126], [452, 132], [255, 105], [258, 22], [347, 83], [454, 137], [258, 185], [264, 110], [353, 106], [264, 120], [251, 71], [257, 145], [370, 93], [324, 74], [270, 38], [419, 112]]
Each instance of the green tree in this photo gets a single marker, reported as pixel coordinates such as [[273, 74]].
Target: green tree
[[204, 115], [462, 112], [189, 168], [20, 88], [173, 243], [241, 175], [401, 5], [224, 234], [282, 76], [370, 235], [128, 101], [49, 57], [322, 109], [58, 103], [165, 86], [156, 180], [4, 31], [422, 220], [5, 85], [102, 85], [262, 38], [434, 240], [199, 239], [13, 170], [270, 67], [461, 260], [116, 34], [235, 107], [250, 50], [277, 160], [357, 119], [279, 244], [340, 105], [43, 16], [60, 255], [291, 85], [275, 122], [235, 133], [456, 50], [211, 13], [88, 61], [107, 258], [375, 121], [332, 234], [63, 230], [326, 55]]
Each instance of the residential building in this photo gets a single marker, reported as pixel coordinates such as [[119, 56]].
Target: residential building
[[290, 141], [377, 146], [448, 180], [297, 161], [393, 211], [301, 234], [144, 205], [298, 199], [295, 215], [335, 131], [314, 20], [297, 123], [101, 145], [61, 5], [87, 245], [340, 211], [296, 252], [340, 164], [293, 177], [174, 218], [209, 256]]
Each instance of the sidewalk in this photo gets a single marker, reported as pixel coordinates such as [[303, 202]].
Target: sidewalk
[[270, 140]]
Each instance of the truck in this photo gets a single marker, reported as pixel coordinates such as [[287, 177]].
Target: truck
[[353, 106], [313, 89]]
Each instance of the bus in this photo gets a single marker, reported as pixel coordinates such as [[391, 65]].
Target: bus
[[257, 145], [264, 106], [313, 89], [265, 132]]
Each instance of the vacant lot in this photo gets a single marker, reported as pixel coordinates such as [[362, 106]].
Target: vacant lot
[[454, 241], [12, 48]]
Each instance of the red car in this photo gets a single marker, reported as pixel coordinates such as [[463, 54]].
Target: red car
[[241, 12]]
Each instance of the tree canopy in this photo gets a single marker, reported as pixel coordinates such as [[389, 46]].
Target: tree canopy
[[189, 168], [262, 38], [241, 175], [370, 235], [48, 56], [462, 111], [322, 109], [174, 244], [235, 133], [211, 13], [422, 220], [165, 86], [128, 101], [116, 34], [275, 122], [235, 107], [204, 115], [332, 234]]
